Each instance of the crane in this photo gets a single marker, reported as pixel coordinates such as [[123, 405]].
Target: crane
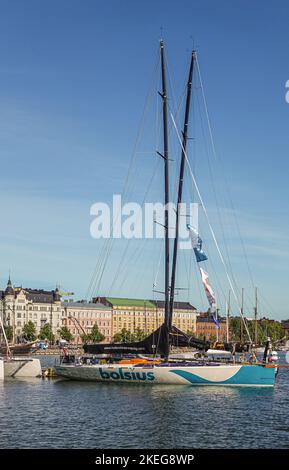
[[63, 293], [77, 324]]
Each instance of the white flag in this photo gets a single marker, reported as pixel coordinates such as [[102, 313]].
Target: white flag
[[208, 289]]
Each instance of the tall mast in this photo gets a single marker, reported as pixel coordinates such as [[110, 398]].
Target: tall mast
[[166, 224], [180, 189], [228, 311], [256, 315], [242, 316]]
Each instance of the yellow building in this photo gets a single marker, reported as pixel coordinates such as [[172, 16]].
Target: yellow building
[[146, 315], [184, 315], [131, 314]]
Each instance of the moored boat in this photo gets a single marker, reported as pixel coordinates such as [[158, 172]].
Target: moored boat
[[159, 343], [16, 367], [18, 349], [257, 375]]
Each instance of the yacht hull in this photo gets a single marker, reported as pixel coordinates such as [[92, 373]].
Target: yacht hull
[[24, 367], [225, 375]]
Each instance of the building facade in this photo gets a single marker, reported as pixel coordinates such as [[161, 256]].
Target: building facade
[[184, 315], [206, 328], [146, 315], [80, 317], [20, 305]]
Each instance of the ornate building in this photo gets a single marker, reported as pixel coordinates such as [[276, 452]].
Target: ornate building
[[20, 305]]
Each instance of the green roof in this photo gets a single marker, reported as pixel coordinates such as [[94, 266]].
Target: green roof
[[130, 302]]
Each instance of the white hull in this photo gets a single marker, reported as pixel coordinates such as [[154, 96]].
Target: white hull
[[217, 374], [22, 367]]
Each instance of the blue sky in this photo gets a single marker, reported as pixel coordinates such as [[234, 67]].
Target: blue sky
[[73, 80]]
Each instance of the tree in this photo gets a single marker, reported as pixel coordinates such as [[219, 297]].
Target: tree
[[9, 332], [85, 338], [65, 333], [95, 335], [29, 331], [123, 336], [191, 333], [139, 334], [47, 333]]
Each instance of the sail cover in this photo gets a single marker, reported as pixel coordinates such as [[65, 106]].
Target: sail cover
[[153, 344]]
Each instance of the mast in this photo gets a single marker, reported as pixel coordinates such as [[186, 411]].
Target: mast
[[228, 310], [8, 352], [166, 174], [242, 316], [256, 315], [180, 188]]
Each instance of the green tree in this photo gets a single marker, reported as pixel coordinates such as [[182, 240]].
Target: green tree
[[139, 335], [85, 338], [191, 333], [95, 335], [123, 336], [9, 332], [65, 333], [47, 333], [29, 331]]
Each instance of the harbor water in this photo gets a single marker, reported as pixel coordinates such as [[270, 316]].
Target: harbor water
[[43, 413]]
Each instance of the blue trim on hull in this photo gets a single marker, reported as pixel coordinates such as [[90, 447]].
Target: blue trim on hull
[[247, 375]]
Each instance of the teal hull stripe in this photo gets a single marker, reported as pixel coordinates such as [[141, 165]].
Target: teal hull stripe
[[247, 375]]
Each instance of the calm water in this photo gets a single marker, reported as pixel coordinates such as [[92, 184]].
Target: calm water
[[59, 414]]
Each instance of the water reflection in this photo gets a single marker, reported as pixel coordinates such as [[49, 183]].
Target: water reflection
[[59, 413]]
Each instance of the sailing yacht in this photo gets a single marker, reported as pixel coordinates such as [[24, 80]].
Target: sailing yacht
[[161, 369]]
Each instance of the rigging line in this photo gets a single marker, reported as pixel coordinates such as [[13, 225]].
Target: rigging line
[[211, 228], [219, 215], [104, 263], [158, 266], [121, 262], [216, 200], [224, 174], [266, 303], [138, 217], [190, 279], [135, 260], [106, 248]]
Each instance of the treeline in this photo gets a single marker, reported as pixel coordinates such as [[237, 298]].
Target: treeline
[[29, 333], [265, 328]]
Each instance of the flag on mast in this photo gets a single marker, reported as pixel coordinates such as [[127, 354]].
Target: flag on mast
[[210, 295], [197, 244]]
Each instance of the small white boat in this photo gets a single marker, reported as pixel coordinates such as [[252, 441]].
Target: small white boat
[[17, 367]]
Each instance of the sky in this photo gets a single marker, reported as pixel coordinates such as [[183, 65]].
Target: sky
[[74, 76]]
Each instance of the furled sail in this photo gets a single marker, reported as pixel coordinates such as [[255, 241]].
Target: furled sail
[[153, 344]]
